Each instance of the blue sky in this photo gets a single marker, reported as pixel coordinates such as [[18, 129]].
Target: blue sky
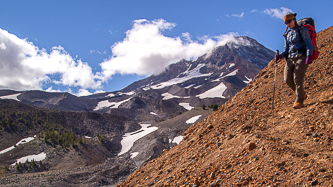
[[86, 47]]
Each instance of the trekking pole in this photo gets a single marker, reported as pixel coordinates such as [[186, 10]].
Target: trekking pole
[[277, 53]]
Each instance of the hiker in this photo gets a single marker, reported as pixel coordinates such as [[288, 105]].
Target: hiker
[[298, 52]]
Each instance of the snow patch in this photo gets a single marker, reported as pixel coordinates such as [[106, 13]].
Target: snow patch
[[231, 74], [111, 95], [186, 106], [197, 87], [129, 138], [133, 155], [127, 93], [23, 141], [231, 65], [167, 96], [119, 93], [216, 80], [13, 96], [106, 103], [193, 119], [187, 87], [146, 88], [177, 139], [87, 137], [188, 75], [153, 113], [214, 92], [248, 80], [29, 158]]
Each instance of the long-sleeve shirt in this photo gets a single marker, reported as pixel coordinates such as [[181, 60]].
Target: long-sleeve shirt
[[297, 43]]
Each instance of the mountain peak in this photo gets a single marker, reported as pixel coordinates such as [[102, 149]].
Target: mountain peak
[[245, 47]]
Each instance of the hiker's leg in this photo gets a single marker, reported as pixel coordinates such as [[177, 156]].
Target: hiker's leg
[[299, 74], [289, 74]]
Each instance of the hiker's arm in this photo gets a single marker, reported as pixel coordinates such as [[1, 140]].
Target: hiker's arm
[[306, 37], [284, 53]]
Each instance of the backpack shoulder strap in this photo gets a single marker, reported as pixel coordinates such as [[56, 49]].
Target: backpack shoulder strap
[[299, 29]]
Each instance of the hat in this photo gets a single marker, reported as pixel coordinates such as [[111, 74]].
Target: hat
[[289, 16]]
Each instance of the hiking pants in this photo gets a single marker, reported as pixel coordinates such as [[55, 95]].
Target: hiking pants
[[294, 73]]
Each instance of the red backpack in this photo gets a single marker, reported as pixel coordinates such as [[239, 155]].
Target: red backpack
[[309, 24]]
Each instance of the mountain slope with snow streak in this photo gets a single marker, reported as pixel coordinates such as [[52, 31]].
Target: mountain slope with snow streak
[[211, 79]]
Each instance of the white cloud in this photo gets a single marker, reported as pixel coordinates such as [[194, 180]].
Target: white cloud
[[145, 50], [240, 16], [254, 10], [99, 52], [24, 66], [187, 37], [277, 13], [230, 37], [50, 89], [3, 46], [83, 92]]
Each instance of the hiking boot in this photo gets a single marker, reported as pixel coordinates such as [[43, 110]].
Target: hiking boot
[[298, 105]]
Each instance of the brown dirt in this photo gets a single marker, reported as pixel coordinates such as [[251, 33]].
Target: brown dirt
[[245, 143]]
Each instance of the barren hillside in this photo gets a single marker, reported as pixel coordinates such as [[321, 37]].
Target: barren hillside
[[245, 143]]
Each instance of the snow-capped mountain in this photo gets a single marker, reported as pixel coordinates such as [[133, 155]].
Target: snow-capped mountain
[[211, 79]]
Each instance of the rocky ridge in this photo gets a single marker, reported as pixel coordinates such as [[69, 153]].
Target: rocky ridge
[[246, 143]]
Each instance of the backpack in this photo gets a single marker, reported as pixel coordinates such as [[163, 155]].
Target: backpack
[[309, 24]]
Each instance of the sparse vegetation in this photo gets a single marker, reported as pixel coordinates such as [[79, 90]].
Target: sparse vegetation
[[17, 116], [101, 138], [203, 107], [27, 166], [214, 107], [6, 168], [55, 134]]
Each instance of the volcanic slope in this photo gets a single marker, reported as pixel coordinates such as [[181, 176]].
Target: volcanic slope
[[245, 144]]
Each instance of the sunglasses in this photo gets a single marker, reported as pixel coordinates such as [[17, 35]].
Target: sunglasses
[[289, 21]]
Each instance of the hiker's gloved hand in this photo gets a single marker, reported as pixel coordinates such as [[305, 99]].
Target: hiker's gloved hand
[[308, 59], [277, 57]]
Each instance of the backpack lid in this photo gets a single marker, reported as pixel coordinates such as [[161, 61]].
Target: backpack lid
[[306, 21]]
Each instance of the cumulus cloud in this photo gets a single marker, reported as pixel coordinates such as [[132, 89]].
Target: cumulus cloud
[[277, 13], [145, 50], [24, 66]]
